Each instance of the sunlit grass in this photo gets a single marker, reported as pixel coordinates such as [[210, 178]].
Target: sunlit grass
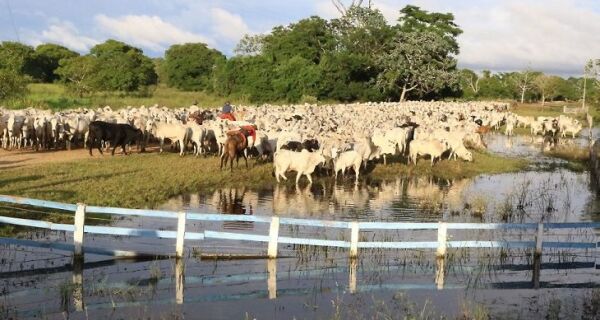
[[56, 97], [146, 180]]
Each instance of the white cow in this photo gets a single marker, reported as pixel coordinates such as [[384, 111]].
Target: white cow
[[304, 163]]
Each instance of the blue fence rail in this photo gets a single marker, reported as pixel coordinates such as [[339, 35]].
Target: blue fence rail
[[273, 238]]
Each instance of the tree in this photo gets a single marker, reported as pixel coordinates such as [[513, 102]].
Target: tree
[[250, 45], [343, 9], [414, 19], [418, 61], [78, 74], [121, 67], [523, 81], [547, 86], [47, 59], [190, 66], [308, 38], [295, 78], [470, 82], [12, 84], [17, 57], [363, 31]]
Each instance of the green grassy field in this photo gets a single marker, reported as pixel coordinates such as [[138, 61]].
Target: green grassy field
[[55, 97], [146, 180]]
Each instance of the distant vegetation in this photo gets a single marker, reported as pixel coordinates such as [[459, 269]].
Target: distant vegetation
[[357, 57]]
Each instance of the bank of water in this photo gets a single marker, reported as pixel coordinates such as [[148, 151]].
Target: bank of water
[[309, 282]]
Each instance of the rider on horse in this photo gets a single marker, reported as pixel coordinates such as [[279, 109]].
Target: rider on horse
[[227, 112]]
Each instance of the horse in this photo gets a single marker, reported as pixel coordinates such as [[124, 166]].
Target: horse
[[200, 117], [236, 143]]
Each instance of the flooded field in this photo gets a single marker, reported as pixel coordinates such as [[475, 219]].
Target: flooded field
[[316, 282]]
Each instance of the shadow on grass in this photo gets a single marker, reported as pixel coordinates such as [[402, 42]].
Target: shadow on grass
[[32, 188]]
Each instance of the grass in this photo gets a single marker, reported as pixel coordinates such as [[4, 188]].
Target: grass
[[483, 163], [147, 180], [554, 109], [55, 97]]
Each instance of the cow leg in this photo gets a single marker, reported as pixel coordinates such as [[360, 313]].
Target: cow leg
[[298, 177], [123, 146], [384, 159], [162, 142], [309, 178], [246, 160], [231, 162]]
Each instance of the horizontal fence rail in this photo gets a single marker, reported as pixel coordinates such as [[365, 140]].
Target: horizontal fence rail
[[273, 238]]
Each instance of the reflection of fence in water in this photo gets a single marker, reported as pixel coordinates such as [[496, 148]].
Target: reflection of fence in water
[[355, 239], [180, 282]]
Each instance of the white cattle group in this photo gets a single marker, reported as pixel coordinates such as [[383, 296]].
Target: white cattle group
[[340, 136]]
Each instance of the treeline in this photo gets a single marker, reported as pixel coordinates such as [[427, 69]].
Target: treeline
[[358, 57]]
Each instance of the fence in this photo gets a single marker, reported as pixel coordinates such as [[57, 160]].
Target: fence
[[273, 239]]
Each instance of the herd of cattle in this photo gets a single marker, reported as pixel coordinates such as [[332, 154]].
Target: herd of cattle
[[296, 138]]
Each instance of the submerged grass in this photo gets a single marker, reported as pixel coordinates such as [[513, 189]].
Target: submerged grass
[[146, 180], [450, 169]]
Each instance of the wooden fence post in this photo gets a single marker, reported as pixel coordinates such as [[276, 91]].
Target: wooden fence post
[[273, 238], [179, 248], [539, 239], [78, 231], [272, 278], [353, 239], [442, 236]]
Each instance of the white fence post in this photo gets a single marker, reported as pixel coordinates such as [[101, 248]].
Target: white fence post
[[78, 230], [354, 239], [539, 239], [442, 238], [181, 219], [273, 238], [272, 279]]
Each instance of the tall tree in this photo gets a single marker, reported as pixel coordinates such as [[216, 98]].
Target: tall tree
[[190, 66], [78, 74], [12, 84], [19, 58], [250, 45], [419, 61], [547, 86], [308, 38], [122, 67], [48, 57], [415, 19], [470, 81], [523, 81]]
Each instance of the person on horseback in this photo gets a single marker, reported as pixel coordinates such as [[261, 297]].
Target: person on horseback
[[227, 112]]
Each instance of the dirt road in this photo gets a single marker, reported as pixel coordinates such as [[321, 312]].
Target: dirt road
[[24, 158]]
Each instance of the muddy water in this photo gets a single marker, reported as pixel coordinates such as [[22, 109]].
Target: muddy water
[[309, 282]]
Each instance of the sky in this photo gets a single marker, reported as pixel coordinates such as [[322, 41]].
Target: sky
[[554, 36]]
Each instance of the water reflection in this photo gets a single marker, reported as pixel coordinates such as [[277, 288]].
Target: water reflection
[[529, 196]]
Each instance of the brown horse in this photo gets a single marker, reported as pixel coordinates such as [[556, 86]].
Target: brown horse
[[236, 143], [200, 117]]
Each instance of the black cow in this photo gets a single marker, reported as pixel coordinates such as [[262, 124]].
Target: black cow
[[116, 134], [310, 144]]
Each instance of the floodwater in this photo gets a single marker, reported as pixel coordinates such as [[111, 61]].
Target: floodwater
[[318, 283]]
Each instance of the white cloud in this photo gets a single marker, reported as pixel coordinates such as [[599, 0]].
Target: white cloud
[[555, 36], [146, 31], [64, 33], [228, 25]]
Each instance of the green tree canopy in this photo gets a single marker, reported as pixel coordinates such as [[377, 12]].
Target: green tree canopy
[[190, 66], [121, 67], [48, 57], [418, 61], [414, 19], [79, 73]]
